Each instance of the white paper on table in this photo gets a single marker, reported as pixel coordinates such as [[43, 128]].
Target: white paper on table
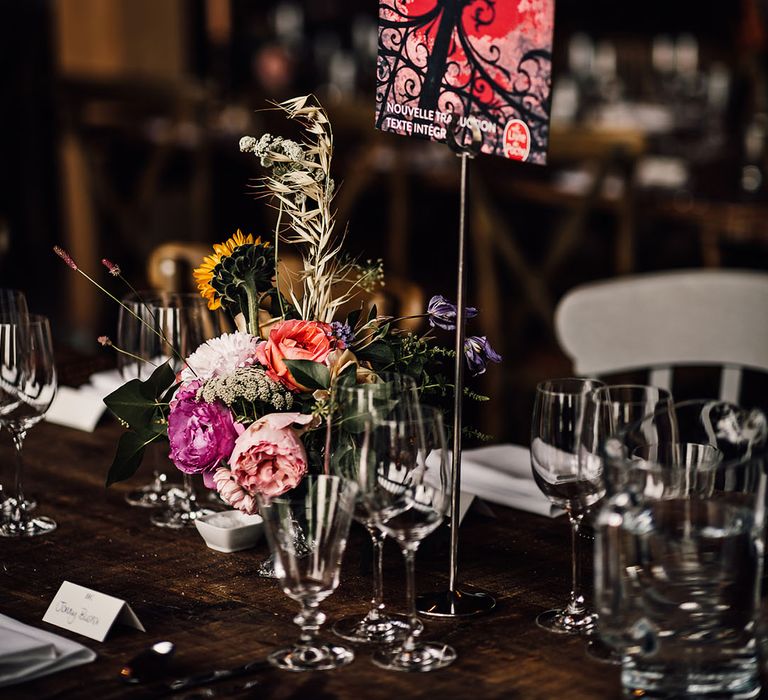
[[502, 474], [66, 653], [76, 408], [82, 408]]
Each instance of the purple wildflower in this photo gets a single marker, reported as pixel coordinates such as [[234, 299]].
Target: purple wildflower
[[442, 314], [343, 333], [114, 270], [65, 256], [104, 341], [479, 353]]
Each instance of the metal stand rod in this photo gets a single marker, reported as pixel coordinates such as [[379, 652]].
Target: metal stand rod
[[455, 602], [458, 381]]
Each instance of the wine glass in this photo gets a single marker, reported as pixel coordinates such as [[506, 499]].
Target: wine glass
[[27, 388], [608, 410], [393, 395], [131, 363], [13, 304], [307, 532], [178, 325], [557, 417], [404, 474]]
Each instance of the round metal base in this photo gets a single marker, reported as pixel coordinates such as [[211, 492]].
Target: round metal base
[[456, 603]]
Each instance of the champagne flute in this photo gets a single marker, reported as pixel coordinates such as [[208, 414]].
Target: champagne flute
[[179, 324], [393, 395], [132, 364], [307, 532], [13, 305], [27, 388], [607, 411], [405, 478], [555, 435]]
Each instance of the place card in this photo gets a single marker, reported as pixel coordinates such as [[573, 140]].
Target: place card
[[89, 612]]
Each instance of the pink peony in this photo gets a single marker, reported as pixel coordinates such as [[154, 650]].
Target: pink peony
[[293, 340], [268, 459], [201, 434]]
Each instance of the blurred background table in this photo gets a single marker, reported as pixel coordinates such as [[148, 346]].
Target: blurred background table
[[220, 614]]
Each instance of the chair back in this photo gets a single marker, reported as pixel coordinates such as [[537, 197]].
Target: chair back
[[662, 320]]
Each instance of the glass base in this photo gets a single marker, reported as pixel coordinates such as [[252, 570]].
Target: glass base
[[386, 629], [31, 528], [565, 622], [456, 603], [667, 682], [319, 657], [422, 658], [176, 520], [148, 496]]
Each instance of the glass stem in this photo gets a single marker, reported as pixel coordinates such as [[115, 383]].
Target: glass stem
[[409, 554], [190, 497], [310, 619], [377, 602], [19, 512], [576, 602]]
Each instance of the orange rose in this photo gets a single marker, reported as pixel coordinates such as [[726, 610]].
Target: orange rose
[[293, 340]]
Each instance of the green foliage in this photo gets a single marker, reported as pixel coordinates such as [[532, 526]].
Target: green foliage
[[142, 406], [312, 375]]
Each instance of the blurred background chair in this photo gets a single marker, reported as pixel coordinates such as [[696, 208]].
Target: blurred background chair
[[170, 265], [663, 321]]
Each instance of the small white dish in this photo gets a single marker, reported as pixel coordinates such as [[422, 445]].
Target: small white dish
[[230, 530]]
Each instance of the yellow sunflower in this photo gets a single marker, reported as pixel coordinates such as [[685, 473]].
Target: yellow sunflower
[[204, 274]]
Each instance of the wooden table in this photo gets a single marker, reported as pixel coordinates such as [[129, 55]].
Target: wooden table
[[220, 614]]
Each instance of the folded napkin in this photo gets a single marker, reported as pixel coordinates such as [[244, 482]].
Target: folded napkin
[[502, 474], [82, 408], [27, 652]]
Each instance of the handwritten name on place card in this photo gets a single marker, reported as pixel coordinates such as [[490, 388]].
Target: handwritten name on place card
[[88, 612]]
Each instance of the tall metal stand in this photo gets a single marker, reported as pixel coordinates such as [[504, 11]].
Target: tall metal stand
[[456, 602]]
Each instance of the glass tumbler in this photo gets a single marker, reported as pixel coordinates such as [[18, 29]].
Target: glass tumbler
[[679, 551]]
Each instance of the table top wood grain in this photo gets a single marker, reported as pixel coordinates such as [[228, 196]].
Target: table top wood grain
[[220, 614]]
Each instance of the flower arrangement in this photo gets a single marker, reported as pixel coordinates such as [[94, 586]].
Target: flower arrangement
[[252, 411]]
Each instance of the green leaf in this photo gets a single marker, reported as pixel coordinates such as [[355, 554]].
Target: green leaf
[[135, 402], [162, 378], [379, 354], [130, 452], [353, 317], [131, 404], [373, 313], [347, 377], [312, 375]]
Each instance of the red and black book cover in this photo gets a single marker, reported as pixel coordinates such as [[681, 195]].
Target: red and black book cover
[[483, 60]]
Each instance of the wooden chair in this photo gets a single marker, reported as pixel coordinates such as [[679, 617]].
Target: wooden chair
[[666, 320]]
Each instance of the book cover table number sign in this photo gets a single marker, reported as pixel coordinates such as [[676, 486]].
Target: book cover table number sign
[[476, 75]]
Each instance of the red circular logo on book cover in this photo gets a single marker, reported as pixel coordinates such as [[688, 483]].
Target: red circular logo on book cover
[[517, 140]]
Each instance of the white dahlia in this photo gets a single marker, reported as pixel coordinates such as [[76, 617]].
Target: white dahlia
[[221, 356]]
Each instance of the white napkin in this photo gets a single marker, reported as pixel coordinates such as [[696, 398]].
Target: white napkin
[[82, 408], [502, 474], [27, 652]]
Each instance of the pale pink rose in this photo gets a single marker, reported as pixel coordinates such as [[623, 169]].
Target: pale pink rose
[[269, 457]]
